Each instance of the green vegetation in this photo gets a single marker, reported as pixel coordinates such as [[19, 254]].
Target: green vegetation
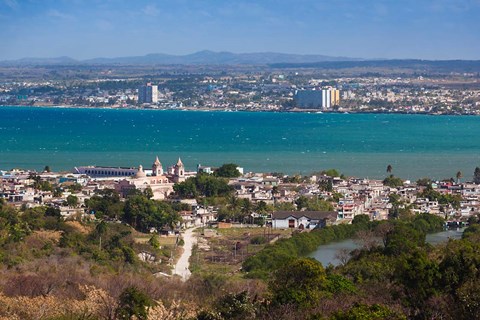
[[366, 312], [401, 235], [313, 204], [203, 185], [134, 302], [228, 170], [393, 181], [103, 269], [272, 257], [443, 199]]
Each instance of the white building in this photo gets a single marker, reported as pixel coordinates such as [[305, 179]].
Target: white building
[[302, 219], [148, 93]]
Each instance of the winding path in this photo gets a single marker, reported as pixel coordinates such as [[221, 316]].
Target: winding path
[[181, 268]]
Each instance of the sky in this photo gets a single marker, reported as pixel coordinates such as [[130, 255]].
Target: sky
[[83, 29]]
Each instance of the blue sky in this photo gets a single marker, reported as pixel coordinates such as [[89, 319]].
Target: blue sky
[[425, 29]]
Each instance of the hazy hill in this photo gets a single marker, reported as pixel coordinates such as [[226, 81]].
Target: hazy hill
[[201, 57]]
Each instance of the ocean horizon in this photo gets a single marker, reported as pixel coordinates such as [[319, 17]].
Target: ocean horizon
[[359, 145]]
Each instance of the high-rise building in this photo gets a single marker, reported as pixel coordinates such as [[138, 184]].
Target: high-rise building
[[148, 93], [326, 99], [335, 97], [308, 99], [316, 99]]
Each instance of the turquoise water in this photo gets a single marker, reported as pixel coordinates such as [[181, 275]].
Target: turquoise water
[[356, 144]]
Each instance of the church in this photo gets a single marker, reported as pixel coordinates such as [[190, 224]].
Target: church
[[160, 182]]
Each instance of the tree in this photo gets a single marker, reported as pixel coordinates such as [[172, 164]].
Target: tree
[[420, 276], [459, 175], [393, 181], [313, 204], [153, 241], [106, 204], [331, 173], [53, 212], [57, 192], [47, 169], [361, 219], [143, 214], [403, 239], [203, 185], [228, 170], [72, 201], [101, 229], [236, 306], [389, 168], [133, 302], [424, 182], [299, 283], [148, 192]]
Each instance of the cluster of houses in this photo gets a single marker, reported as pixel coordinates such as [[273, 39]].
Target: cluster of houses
[[351, 196]]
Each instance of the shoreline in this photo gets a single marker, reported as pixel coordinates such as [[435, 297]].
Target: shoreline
[[307, 111]]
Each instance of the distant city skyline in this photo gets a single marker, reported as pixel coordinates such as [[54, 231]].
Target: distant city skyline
[[84, 29]]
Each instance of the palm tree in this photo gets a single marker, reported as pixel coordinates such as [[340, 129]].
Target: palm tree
[[389, 168], [101, 229], [459, 175]]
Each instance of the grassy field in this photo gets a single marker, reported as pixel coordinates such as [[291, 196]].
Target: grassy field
[[163, 240]]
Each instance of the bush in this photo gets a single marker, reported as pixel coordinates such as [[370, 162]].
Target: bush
[[258, 240], [133, 302]]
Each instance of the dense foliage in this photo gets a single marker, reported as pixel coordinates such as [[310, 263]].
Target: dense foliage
[[228, 170], [393, 181], [202, 185], [92, 270]]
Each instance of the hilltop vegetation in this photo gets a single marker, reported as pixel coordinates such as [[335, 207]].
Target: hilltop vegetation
[[94, 270]]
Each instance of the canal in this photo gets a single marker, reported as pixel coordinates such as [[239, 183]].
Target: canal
[[335, 251]]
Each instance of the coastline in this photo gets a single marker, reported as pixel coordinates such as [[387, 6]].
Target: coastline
[[196, 109]]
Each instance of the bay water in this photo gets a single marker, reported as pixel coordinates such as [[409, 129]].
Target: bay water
[[359, 145]]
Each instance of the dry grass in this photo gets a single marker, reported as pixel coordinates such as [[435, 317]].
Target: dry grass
[[163, 240], [79, 227], [53, 236]]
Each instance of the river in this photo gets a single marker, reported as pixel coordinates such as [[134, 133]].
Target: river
[[330, 253]]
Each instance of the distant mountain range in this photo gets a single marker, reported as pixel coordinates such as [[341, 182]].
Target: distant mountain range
[[202, 57], [270, 59]]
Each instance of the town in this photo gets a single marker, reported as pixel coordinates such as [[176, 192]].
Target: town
[[264, 197], [245, 88]]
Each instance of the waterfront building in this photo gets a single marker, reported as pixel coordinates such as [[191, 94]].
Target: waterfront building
[[148, 93], [104, 172], [326, 99], [309, 99], [316, 99], [334, 97]]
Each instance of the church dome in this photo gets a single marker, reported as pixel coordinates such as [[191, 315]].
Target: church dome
[[140, 173]]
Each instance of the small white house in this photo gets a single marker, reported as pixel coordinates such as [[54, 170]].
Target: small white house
[[302, 219]]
